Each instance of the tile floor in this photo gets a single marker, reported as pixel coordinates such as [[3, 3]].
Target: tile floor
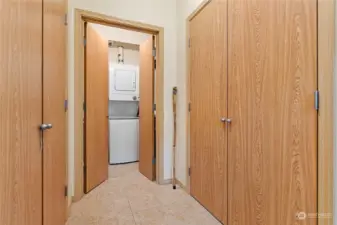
[[128, 198]]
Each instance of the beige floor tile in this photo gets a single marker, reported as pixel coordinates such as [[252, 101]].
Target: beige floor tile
[[100, 220], [153, 216], [122, 170], [102, 207], [167, 195], [191, 213], [158, 216], [92, 212], [129, 198], [144, 201], [165, 216]]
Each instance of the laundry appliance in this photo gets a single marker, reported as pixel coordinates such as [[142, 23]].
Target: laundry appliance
[[123, 114]]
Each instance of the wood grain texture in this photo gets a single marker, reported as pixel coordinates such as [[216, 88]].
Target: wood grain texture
[[326, 56], [188, 94], [272, 149], [208, 95], [94, 17], [80, 16], [20, 112], [54, 154], [67, 140], [198, 9], [79, 97], [159, 93], [146, 116], [96, 122], [174, 107]]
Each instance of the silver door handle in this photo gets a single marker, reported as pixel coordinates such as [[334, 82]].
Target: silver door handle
[[46, 126], [226, 120]]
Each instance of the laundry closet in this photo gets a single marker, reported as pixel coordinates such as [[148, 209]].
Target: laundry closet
[[253, 118], [123, 103], [119, 117]]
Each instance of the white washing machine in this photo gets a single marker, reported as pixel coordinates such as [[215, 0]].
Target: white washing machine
[[124, 142], [123, 114]]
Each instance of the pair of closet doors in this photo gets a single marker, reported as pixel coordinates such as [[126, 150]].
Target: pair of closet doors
[[253, 122], [32, 112]]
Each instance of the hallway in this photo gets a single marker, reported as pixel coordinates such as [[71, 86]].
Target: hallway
[[128, 198]]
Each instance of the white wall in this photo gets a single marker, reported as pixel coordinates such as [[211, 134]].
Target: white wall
[[184, 9], [131, 56], [157, 12], [121, 35], [130, 40]]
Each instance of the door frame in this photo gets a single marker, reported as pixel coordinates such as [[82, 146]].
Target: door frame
[[326, 58], [82, 16]]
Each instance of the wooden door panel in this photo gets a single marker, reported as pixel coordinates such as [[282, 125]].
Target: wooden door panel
[[272, 141], [54, 77], [208, 96], [96, 121], [146, 117], [20, 112]]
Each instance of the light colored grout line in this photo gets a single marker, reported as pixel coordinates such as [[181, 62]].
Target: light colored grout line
[[132, 213]]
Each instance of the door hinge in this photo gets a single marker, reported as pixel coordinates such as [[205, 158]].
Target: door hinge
[[66, 19], [66, 191], [189, 42], [85, 42], [189, 107], [154, 107], [189, 171], [66, 105], [154, 52], [153, 161], [317, 100], [84, 107]]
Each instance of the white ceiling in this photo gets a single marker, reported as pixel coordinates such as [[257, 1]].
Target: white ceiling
[[121, 35]]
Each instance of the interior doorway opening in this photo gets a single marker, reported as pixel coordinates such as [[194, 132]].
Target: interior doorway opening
[[119, 82], [92, 155]]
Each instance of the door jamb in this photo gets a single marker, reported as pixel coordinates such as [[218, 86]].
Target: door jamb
[[326, 57], [82, 16]]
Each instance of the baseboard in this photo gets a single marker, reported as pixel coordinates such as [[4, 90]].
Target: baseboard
[[76, 198], [182, 186], [178, 182], [68, 207]]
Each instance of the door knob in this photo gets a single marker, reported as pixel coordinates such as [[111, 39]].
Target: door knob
[[229, 120], [226, 120], [46, 126]]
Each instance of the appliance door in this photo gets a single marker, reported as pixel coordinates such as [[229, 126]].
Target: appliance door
[[123, 80], [123, 140]]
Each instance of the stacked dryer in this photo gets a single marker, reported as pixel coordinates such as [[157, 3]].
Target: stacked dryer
[[123, 113]]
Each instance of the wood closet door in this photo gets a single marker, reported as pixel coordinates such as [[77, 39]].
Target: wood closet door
[[208, 96], [96, 121], [272, 140], [54, 77], [20, 112], [146, 116]]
